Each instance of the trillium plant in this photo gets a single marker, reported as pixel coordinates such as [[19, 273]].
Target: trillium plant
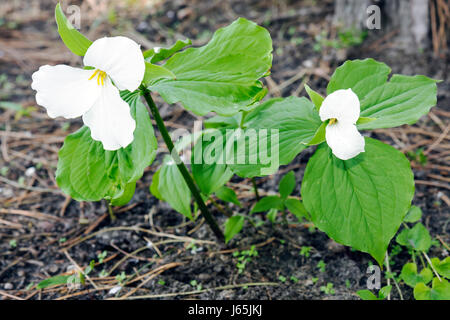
[[355, 188]]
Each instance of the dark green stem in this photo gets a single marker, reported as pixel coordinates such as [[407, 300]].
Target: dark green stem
[[183, 170], [255, 187]]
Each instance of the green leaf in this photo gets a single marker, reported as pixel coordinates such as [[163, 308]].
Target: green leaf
[[366, 295], [417, 238], [126, 196], [362, 76], [316, 98], [384, 292], [233, 226], [228, 195], [153, 72], [267, 203], [74, 40], [221, 76], [272, 215], [158, 54], [295, 120], [402, 100], [440, 290], [217, 122], [360, 202], [363, 120], [319, 136], [414, 214], [297, 208], [209, 172], [287, 184], [87, 172], [53, 281], [173, 188], [412, 278], [154, 185], [442, 267]]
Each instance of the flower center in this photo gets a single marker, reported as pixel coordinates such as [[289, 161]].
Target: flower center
[[101, 75], [332, 121]]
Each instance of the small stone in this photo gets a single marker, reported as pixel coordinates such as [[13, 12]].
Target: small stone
[[53, 268], [20, 273], [8, 286]]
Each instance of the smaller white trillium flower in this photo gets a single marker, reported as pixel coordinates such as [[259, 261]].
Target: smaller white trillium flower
[[94, 94], [342, 108]]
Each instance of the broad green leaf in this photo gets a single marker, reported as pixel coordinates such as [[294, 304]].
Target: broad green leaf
[[367, 295], [74, 40], [228, 195], [417, 238], [360, 202], [412, 278], [153, 72], [402, 100], [287, 184], [442, 267], [158, 54], [296, 122], [221, 76], [440, 290], [87, 172], [233, 226], [315, 97], [173, 188], [267, 203], [209, 172], [297, 208], [53, 281], [414, 214], [362, 76]]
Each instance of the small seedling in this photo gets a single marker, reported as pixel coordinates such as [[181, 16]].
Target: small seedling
[[328, 289], [13, 243], [321, 265], [305, 251]]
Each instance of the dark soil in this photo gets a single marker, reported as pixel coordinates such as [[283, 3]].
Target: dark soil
[[32, 248]]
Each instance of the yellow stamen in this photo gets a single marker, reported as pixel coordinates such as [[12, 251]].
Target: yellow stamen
[[101, 75], [332, 121]]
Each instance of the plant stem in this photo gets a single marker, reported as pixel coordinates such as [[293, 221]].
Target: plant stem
[[388, 268], [181, 166], [256, 189], [220, 208], [111, 212], [431, 265]]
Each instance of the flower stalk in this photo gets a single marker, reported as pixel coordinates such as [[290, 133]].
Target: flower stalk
[[181, 166]]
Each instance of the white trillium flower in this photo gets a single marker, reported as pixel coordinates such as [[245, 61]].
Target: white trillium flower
[[72, 92], [342, 107]]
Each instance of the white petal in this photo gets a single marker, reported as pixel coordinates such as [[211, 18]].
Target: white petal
[[342, 105], [344, 140], [65, 91], [110, 119], [121, 58]]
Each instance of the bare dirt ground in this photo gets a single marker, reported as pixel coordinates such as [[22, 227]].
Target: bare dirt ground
[[43, 233]]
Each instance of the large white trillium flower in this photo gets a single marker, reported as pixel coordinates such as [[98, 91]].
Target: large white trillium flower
[[342, 108], [94, 94]]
